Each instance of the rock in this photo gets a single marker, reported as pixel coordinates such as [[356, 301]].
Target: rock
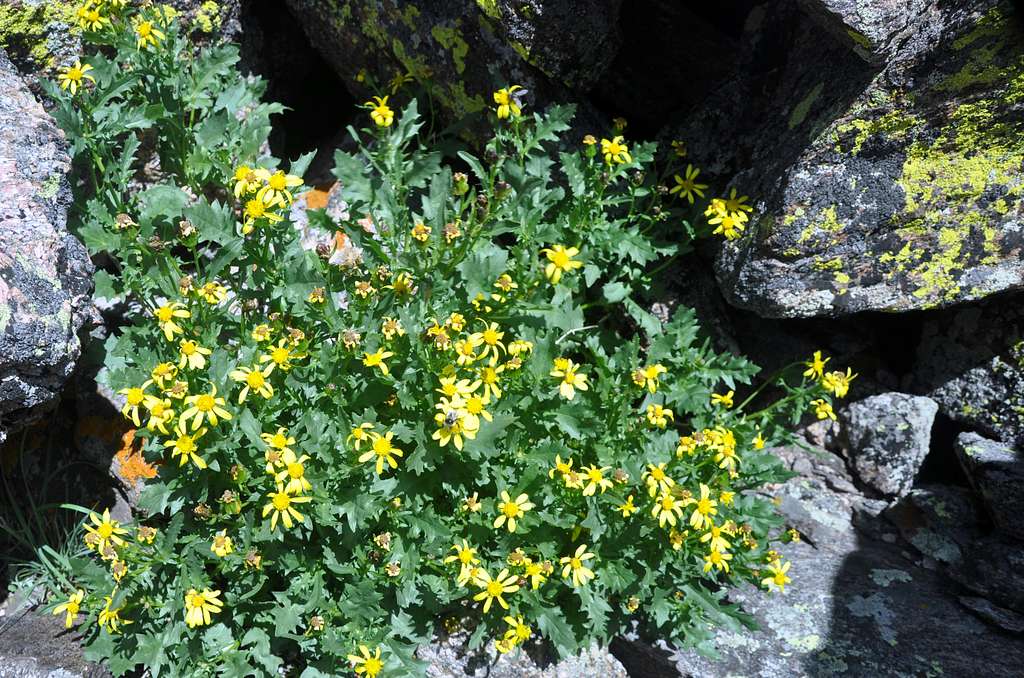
[[939, 521], [993, 567], [1001, 617], [892, 190], [971, 362], [449, 657], [36, 645], [45, 273], [462, 51], [874, 29], [997, 474], [856, 607], [887, 438]]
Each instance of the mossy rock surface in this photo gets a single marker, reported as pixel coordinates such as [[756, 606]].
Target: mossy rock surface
[[912, 197]]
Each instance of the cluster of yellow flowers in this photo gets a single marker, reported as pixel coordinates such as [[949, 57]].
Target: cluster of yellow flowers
[[836, 382], [264, 192], [729, 215]]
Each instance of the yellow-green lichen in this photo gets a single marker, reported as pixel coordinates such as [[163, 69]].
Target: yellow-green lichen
[[800, 111], [490, 8], [48, 189], [824, 228], [859, 38], [834, 264], [451, 39], [410, 16], [894, 125], [25, 29]]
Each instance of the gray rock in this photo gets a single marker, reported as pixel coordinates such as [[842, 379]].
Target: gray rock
[[45, 273], [971, 362], [1001, 617], [891, 190], [857, 606], [875, 29], [887, 438], [997, 474], [36, 645], [993, 567], [449, 657]]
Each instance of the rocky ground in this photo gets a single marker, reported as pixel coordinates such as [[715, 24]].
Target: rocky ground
[[884, 146]]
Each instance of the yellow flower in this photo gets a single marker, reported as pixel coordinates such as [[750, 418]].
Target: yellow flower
[[184, 446], [508, 106], [391, 327], [519, 630], [667, 509], [573, 566], [474, 409], [70, 608], [627, 509], [472, 503], [816, 366], [718, 560], [145, 534], [160, 413], [714, 536], [367, 663], [490, 376], [778, 578], [837, 382], [147, 34], [380, 113], [360, 434], [71, 77], [562, 467], [453, 424], [200, 605], [560, 260], [536, 573], [90, 18], [383, 450], [510, 510], [490, 339], [729, 225], [571, 378], [261, 333], [725, 400], [402, 285], [281, 506], [281, 356], [657, 480], [245, 180], [275, 187], [689, 187], [134, 397], [495, 589], [255, 380], [759, 441], [465, 555], [823, 409], [192, 355], [222, 544], [648, 376], [162, 373], [205, 406], [704, 509], [726, 497], [256, 209], [421, 232], [505, 283], [376, 359], [737, 207], [294, 472], [659, 416], [615, 151], [111, 619], [595, 479]]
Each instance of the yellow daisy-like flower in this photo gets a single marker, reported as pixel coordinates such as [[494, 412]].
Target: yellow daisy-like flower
[[275, 187], [823, 409], [595, 479], [837, 382], [73, 77], [574, 567], [627, 508], [490, 340], [731, 226], [688, 187], [70, 608], [110, 619], [376, 359], [508, 106], [147, 34], [184, 446], [162, 373], [659, 416], [657, 480], [366, 663], [282, 507], [724, 400], [490, 380], [246, 180], [560, 260], [384, 451], [200, 605], [454, 424], [615, 151], [571, 379], [648, 375], [777, 578], [293, 473], [667, 509], [510, 511], [108, 532], [465, 555], [281, 355], [212, 293], [360, 434], [420, 233], [205, 407], [255, 380], [90, 18], [714, 539], [391, 328], [135, 396], [816, 366], [193, 356], [380, 112], [703, 510], [718, 560], [494, 589], [518, 630], [222, 544], [160, 413], [279, 439]]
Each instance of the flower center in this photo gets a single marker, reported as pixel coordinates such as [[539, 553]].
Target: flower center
[[205, 402], [281, 501], [511, 510], [494, 588], [255, 379], [279, 355], [135, 396], [296, 470]]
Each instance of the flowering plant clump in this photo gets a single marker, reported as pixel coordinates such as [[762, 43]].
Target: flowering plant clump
[[439, 398]]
